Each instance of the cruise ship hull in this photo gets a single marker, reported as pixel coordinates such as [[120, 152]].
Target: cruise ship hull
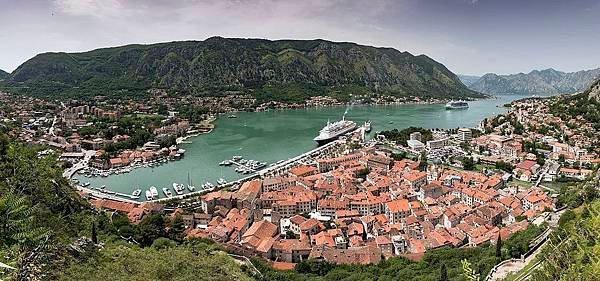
[[322, 141], [325, 141]]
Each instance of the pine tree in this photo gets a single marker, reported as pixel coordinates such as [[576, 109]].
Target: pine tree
[[177, 230], [443, 273], [499, 247], [94, 234]]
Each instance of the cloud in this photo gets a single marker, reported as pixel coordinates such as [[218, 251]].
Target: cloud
[[89, 8], [497, 36]]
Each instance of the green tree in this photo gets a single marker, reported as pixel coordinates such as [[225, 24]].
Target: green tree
[[150, 228], [94, 234], [177, 228], [443, 273], [499, 247], [17, 225], [468, 163], [163, 242], [4, 142], [423, 161]]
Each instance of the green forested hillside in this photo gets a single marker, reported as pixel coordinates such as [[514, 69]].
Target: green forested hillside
[[308, 67], [584, 105], [574, 252], [195, 260], [46, 232]]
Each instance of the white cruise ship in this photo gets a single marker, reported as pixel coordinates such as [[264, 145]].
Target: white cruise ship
[[333, 130], [457, 105]]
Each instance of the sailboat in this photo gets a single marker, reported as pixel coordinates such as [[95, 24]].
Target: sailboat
[[190, 186]]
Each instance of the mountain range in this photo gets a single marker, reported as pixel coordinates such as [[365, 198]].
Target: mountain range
[[3, 74], [583, 105], [297, 68], [539, 82], [468, 79]]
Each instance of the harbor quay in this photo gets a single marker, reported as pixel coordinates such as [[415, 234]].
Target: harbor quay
[[281, 167]]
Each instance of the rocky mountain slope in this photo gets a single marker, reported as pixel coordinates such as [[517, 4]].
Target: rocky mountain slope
[[223, 64], [540, 82], [584, 105], [468, 79], [3, 74]]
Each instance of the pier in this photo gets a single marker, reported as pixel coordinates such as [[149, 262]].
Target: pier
[[261, 173], [290, 163], [116, 196], [277, 168]]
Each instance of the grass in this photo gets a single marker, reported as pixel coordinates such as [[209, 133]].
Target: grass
[[480, 167], [556, 186], [521, 183]]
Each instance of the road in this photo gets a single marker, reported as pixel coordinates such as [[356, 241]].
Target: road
[[517, 265], [51, 130], [88, 154], [543, 172]]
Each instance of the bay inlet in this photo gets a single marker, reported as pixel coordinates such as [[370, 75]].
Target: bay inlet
[[281, 134]]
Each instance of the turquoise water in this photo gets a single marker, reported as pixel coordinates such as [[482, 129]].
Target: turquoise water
[[280, 134]]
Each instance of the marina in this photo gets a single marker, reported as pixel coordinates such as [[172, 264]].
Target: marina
[[274, 137], [244, 166]]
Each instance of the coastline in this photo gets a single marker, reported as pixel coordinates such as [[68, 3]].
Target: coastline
[[187, 139], [207, 124]]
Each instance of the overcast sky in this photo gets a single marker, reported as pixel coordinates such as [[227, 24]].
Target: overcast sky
[[468, 36]]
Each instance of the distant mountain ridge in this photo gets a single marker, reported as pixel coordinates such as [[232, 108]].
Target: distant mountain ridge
[[540, 82], [3, 74], [302, 67], [468, 79]]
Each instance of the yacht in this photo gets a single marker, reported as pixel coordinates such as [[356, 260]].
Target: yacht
[[178, 188], [149, 195], [222, 181], [167, 192], [153, 191], [136, 193], [367, 126]]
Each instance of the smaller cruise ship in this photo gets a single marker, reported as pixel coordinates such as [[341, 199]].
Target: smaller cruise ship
[[457, 105]]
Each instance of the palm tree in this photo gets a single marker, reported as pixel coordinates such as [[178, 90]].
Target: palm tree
[[17, 222]]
